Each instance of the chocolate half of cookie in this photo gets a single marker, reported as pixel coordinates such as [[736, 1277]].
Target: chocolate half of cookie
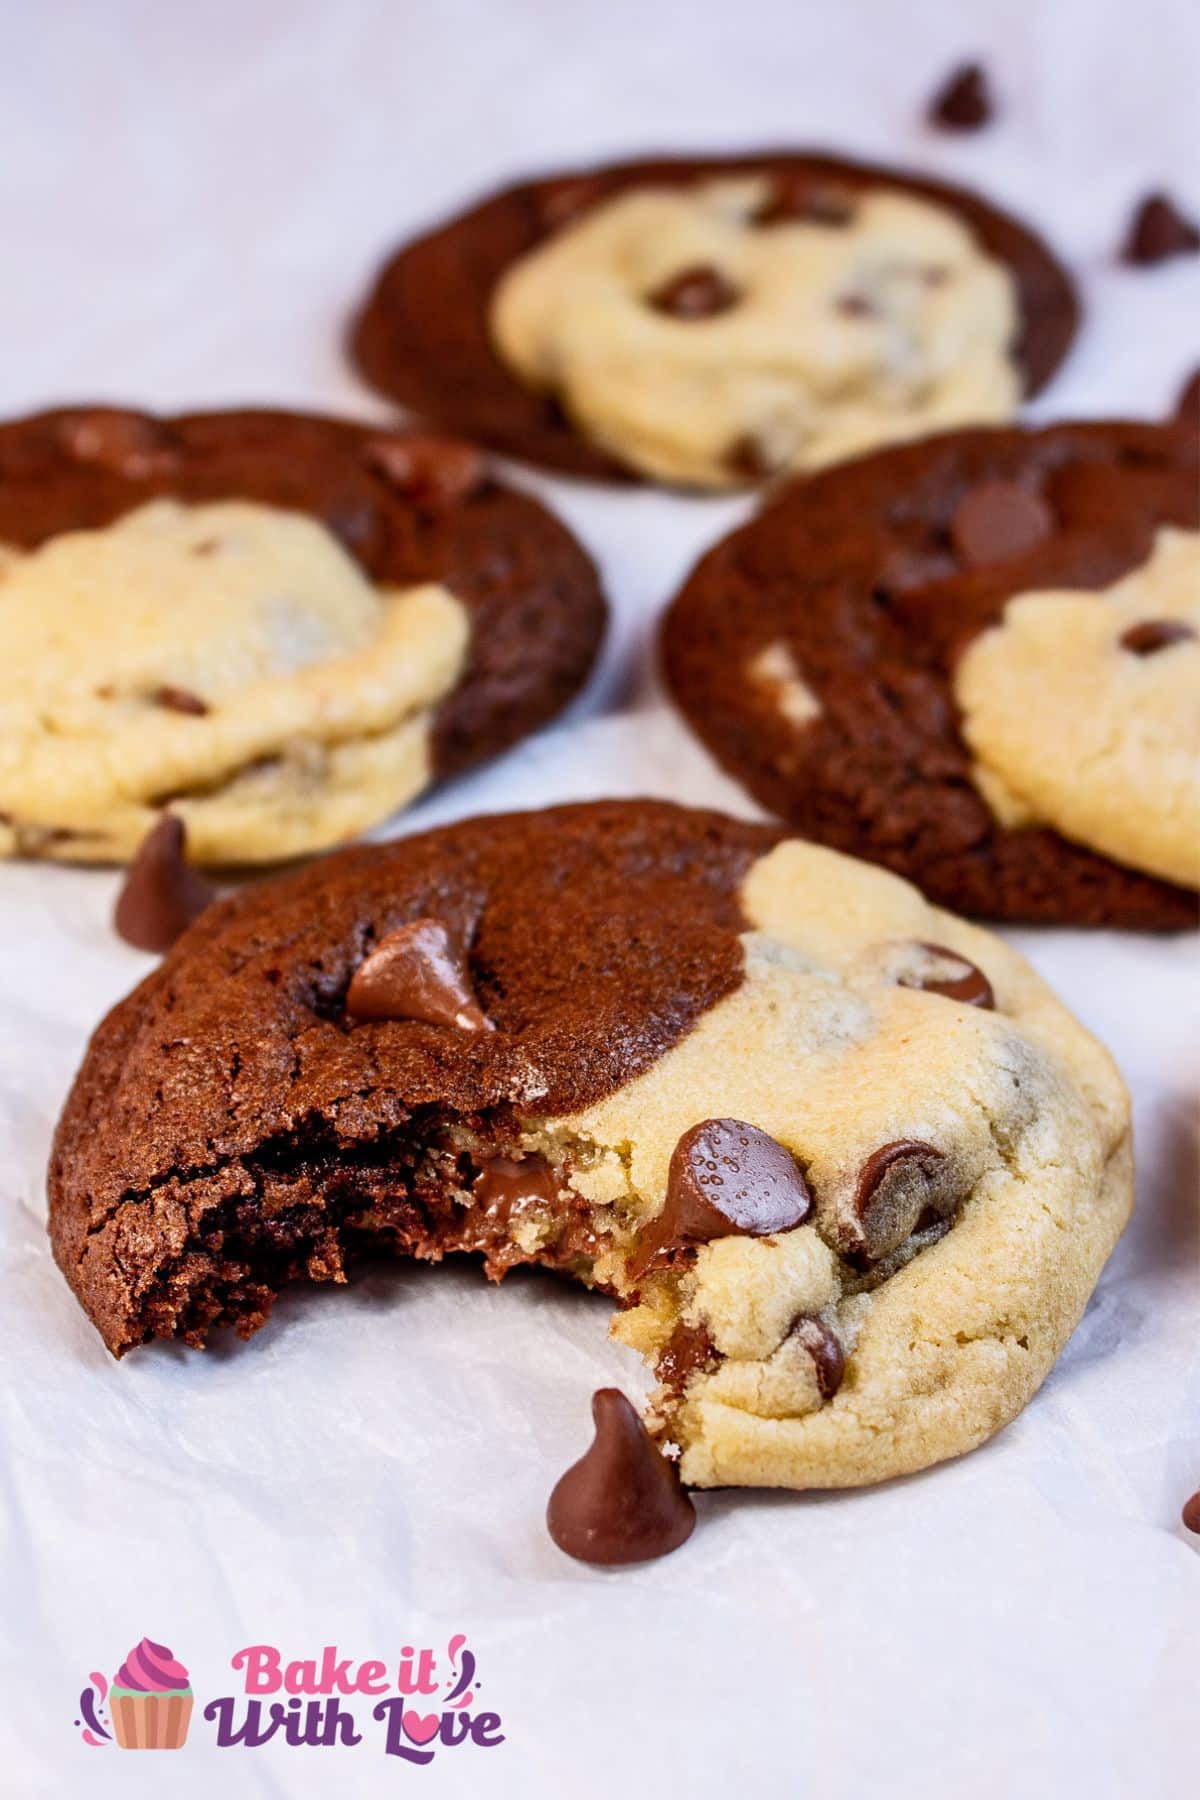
[[972, 660], [578, 320], [277, 627], [846, 1166]]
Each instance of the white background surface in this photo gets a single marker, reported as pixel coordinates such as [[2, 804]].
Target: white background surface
[[190, 201]]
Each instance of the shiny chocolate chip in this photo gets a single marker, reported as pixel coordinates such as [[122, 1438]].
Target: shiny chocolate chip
[[622, 1502], [824, 1346], [898, 1187], [1157, 231], [726, 1179], [964, 102], [700, 292], [997, 521], [416, 972], [180, 700], [971, 987], [431, 471], [161, 895], [1191, 1512], [1149, 635]]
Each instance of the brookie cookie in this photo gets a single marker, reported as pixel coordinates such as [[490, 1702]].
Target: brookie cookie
[[715, 322], [280, 628], [847, 1166], [974, 660]]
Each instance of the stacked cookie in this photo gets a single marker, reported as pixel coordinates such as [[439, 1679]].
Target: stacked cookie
[[848, 1169]]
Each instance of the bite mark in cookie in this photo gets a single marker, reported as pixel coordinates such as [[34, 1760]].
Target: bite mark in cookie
[[870, 593], [705, 1046], [282, 627]]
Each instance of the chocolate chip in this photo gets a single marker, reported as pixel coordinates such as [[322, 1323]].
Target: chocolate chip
[[416, 972], [964, 102], [999, 520], [793, 201], [507, 1184], [177, 699], [161, 895], [1157, 231], [897, 1188], [687, 1352], [622, 1502], [856, 306], [121, 442], [432, 471], [700, 292], [824, 1346], [1191, 1512], [1187, 407], [747, 458], [970, 988], [562, 202], [726, 1179], [1149, 635]]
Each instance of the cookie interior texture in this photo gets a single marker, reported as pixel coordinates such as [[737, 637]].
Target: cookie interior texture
[[281, 628], [961, 1145], [713, 321], [825, 652]]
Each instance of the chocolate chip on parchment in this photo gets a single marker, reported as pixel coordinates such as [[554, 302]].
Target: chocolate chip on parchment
[[416, 972], [1191, 1512], [622, 1502], [964, 101], [161, 894], [999, 520], [1159, 230], [700, 292], [1149, 635], [971, 987]]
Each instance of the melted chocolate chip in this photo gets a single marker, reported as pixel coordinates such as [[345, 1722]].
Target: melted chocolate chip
[[123, 443], [1191, 1512], [971, 988], [1149, 635], [688, 1350], [429, 470], [700, 292], [964, 102], [894, 1193], [177, 699], [416, 972], [506, 1184], [726, 1179], [999, 520], [824, 1346], [161, 895], [1159, 230], [622, 1502]]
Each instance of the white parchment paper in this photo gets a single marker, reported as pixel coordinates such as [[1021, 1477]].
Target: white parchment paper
[[190, 203]]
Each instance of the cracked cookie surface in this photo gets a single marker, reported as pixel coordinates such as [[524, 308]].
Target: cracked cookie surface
[[843, 655], [715, 321], [278, 628], [848, 1168]]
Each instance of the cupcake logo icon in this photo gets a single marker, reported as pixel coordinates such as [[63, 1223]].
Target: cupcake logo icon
[[149, 1702]]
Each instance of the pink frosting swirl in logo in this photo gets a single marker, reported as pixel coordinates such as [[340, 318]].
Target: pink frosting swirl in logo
[[151, 1669]]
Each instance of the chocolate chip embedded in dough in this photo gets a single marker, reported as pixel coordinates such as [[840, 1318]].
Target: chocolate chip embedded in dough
[[970, 988], [416, 972], [964, 102], [123, 443], [432, 471], [1157, 231], [748, 459], [181, 700], [999, 520], [856, 306], [700, 292], [622, 1502], [898, 1185], [688, 1351], [161, 895], [824, 1346], [726, 1179], [1149, 635], [801, 202]]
